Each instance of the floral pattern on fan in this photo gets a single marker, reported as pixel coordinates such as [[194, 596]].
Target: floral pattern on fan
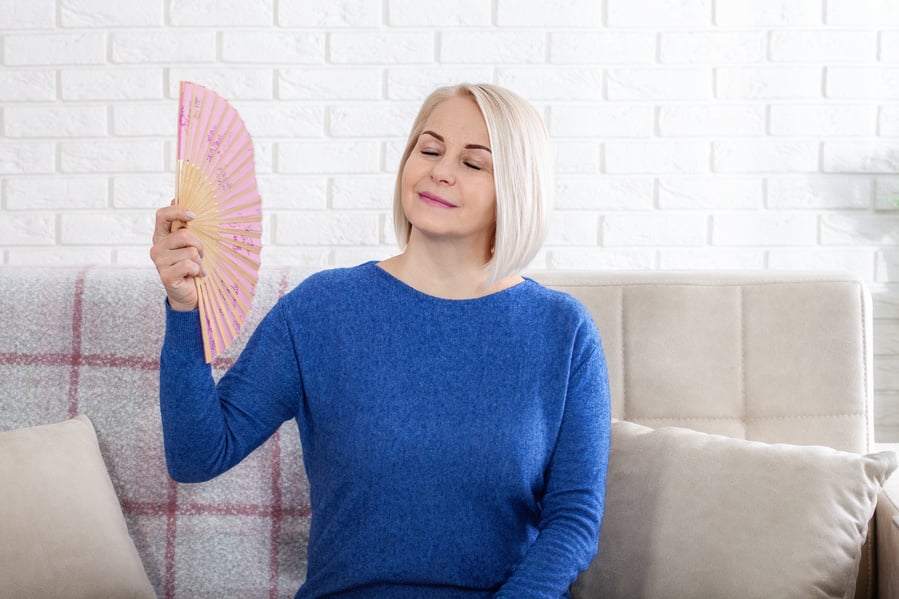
[[216, 180]]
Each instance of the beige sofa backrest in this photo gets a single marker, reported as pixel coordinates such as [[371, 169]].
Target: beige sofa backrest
[[757, 355]]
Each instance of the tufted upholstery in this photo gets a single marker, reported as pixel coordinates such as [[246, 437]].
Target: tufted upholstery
[[775, 358]]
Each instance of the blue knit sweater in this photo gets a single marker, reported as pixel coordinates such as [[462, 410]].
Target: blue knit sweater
[[454, 448]]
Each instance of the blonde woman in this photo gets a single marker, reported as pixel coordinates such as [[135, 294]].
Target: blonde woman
[[454, 415]]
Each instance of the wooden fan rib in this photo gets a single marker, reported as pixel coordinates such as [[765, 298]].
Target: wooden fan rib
[[201, 133], [253, 248], [190, 182], [187, 114], [229, 298], [238, 221], [242, 263], [248, 208], [253, 204], [190, 187], [245, 266], [202, 202], [237, 154], [229, 315], [224, 327], [249, 240], [232, 189], [209, 342], [236, 161], [238, 190], [220, 260], [241, 162], [242, 276], [207, 130], [237, 307], [235, 182], [222, 120], [219, 126], [187, 142], [245, 279], [199, 193], [231, 131], [214, 234], [199, 116], [228, 189], [217, 328], [182, 122], [215, 154], [205, 196], [247, 252], [234, 139]]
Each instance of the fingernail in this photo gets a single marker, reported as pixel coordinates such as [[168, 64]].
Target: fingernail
[[191, 215]]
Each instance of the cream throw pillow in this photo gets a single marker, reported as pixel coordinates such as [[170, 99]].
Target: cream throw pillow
[[62, 532], [690, 515]]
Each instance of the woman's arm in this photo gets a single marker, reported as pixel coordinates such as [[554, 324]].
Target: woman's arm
[[208, 428], [575, 490]]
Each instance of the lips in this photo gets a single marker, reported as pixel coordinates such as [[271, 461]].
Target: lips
[[435, 200]]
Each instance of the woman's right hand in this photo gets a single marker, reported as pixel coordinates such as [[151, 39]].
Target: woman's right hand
[[178, 256]]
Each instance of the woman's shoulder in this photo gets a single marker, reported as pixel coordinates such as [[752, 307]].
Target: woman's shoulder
[[557, 300], [563, 312], [329, 284]]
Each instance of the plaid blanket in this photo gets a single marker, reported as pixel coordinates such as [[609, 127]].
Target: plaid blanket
[[86, 341]]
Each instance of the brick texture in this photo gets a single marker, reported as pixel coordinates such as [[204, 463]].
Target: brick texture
[[687, 133]]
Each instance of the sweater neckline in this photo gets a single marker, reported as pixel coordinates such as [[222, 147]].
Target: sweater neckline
[[410, 290]]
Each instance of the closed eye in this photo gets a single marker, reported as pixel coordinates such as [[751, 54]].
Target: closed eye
[[472, 165]]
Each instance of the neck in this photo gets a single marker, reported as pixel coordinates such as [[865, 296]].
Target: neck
[[444, 269]]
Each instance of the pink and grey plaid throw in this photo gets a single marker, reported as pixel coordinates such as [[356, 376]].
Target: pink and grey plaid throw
[[86, 341]]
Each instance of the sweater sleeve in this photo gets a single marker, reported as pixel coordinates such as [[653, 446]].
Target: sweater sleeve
[[209, 427], [575, 490]]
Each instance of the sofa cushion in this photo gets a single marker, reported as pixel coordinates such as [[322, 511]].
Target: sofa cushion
[[62, 530], [691, 514]]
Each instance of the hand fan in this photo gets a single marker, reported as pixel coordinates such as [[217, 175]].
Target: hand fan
[[216, 180]]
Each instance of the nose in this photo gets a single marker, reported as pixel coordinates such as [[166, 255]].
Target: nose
[[443, 171]]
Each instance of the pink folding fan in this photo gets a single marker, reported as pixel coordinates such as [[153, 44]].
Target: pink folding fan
[[216, 180]]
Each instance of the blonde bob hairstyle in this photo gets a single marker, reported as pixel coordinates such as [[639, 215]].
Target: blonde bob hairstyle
[[522, 172]]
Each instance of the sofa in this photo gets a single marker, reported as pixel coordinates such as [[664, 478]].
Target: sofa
[[753, 372]]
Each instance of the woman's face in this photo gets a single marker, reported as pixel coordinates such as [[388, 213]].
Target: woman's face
[[447, 182]]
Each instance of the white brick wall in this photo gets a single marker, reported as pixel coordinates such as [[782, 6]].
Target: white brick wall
[[688, 133]]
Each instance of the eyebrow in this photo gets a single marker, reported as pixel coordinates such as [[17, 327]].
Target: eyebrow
[[439, 138]]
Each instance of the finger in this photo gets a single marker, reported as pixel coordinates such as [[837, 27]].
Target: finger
[[179, 273], [179, 285], [180, 245], [173, 256], [165, 257], [183, 238], [166, 217], [170, 214], [179, 239], [175, 270]]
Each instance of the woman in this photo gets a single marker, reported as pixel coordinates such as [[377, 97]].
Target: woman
[[454, 416]]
